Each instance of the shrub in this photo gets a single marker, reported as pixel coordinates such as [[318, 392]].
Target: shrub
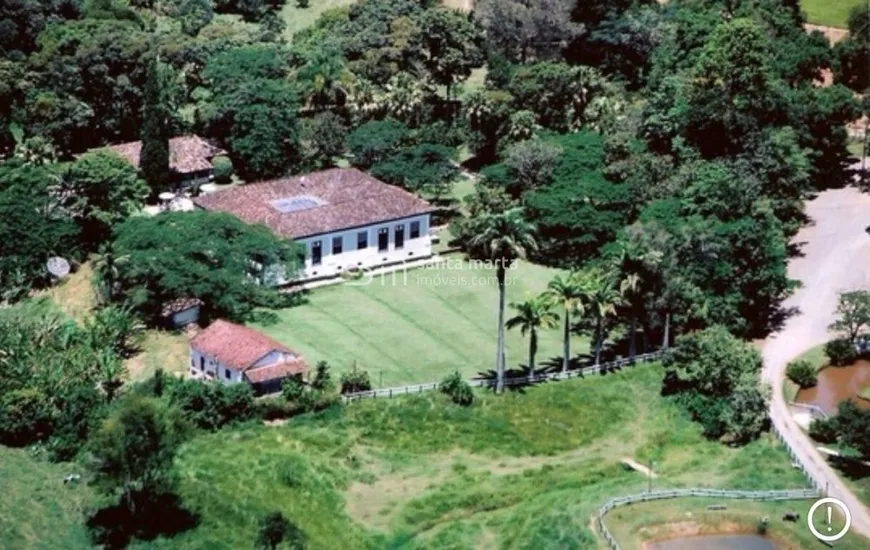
[[761, 526], [802, 373], [840, 352], [322, 378], [355, 380], [212, 405], [458, 389], [292, 389], [223, 169], [824, 430], [275, 529]]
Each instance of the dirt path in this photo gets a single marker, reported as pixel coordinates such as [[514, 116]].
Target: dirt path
[[833, 34], [836, 257]]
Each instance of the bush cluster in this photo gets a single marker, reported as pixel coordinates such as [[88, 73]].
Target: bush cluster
[[840, 352], [355, 380], [457, 389], [223, 169], [802, 373]]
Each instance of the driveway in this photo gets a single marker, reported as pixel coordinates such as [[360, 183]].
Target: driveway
[[836, 257]]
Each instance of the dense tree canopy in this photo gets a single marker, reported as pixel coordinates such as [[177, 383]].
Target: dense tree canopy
[[213, 257]]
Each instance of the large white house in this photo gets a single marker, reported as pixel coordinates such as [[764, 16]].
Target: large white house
[[234, 353], [344, 218]]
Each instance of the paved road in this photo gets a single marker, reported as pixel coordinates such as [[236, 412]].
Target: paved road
[[836, 257]]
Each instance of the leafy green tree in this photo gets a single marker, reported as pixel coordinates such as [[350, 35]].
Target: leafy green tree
[[322, 381], [323, 138], [852, 52], [520, 30], [488, 115], [104, 190], [715, 377], [453, 46], [853, 426], [426, 169], [261, 128], [203, 255], [601, 297], [134, 450], [802, 373], [375, 141], [355, 380], [194, 15], [530, 164], [533, 314], [500, 239], [154, 156], [35, 227], [853, 314], [566, 291], [111, 372]]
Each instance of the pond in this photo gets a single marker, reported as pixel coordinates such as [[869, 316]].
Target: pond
[[715, 542], [838, 384]]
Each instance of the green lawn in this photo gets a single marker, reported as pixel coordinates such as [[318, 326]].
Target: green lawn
[[416, 326], [524, 470], [298, 18], [37, 511], [833, 13]]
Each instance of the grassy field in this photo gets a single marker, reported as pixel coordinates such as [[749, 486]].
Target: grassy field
[[417, 326], [525, 470], [298, 18], [833, 13], [37, 511]]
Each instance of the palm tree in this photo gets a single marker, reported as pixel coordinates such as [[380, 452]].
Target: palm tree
[[110, 372], [602, 297], [500, 238], [629, 288], [107, 273], [566, 290], [532, 314]]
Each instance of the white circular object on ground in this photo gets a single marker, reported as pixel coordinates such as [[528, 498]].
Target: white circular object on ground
[[834, 536], [57, 266]]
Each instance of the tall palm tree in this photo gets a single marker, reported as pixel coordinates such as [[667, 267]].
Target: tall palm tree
[[566, 291], [534, 313], [629, 288], [602, 297], [500, 238]]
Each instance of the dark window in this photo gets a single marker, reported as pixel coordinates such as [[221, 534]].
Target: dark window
[[316, 252], [362, 240], [201, 362], [336, 245], [415, 230], [400, 236], [383, 239], [227, 374]]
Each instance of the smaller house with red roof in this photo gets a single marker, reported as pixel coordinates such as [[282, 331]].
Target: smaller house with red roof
[[190, 158], [235, 353]]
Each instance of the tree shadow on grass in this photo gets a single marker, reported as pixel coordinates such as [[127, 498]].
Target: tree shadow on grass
[[157, 516]]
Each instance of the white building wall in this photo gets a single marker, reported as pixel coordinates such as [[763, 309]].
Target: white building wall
[[353, 258], [211, 368]]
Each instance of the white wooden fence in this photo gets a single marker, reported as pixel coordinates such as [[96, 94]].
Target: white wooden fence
[[791, 494], [513, 381]]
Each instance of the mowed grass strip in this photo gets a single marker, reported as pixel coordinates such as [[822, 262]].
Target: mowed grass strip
[[418, 326], [832, 13], [523, 470], [37, 511]]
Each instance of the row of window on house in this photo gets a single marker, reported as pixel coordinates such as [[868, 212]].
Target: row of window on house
[[362, 241], [227, 372]]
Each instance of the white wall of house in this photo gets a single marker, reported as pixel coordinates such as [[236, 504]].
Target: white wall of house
[[352, 256], [210, 367]]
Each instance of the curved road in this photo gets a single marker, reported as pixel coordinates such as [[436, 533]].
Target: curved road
[[836, 257]]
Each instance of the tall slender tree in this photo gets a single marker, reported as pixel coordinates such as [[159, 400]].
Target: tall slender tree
[[601, 295], [566, 291], [154, 156], [534, 313], [500, 238]]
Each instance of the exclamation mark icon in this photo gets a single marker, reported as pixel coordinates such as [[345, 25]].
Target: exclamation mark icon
[[829, 519]]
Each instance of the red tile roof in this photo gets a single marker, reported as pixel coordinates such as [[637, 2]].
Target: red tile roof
[[186, 153], [347, 198], [237, 346], [272, 372]]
